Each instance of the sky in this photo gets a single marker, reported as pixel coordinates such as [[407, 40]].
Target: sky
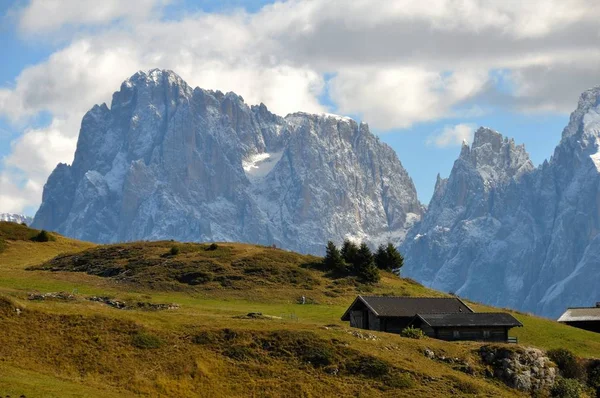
[[423, 74]]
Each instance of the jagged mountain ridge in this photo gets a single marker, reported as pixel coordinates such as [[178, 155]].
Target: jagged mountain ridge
[[18, 218], [502, 232], [166, 161]]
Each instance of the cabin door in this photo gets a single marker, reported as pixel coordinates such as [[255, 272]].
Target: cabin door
[[358, 319]]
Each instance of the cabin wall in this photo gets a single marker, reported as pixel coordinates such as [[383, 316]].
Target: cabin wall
[[592, 326], [374, 323], [475, 333], [395, 325]]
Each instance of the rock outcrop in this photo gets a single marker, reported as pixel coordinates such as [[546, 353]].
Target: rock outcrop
[[524, 368], [167, 161]]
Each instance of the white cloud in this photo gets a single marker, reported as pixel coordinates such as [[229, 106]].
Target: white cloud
[[452, 135], [395, 63], [399, 97], [44, 16]]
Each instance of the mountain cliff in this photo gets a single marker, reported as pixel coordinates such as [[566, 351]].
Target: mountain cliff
[[167, 161], [502, 232]]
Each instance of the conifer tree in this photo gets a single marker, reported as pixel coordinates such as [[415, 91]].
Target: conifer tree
[[333, 260], [394, 257], [381, 257], [364, 266], [349, 252]]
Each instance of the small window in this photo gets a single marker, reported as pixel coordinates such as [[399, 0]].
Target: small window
[[456, 334], [486, 334]]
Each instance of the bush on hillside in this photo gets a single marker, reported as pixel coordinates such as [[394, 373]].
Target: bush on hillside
[[568, 364], [412, 333], [43, 236], [593, 375], [368, 366], [566, 388], [174, 251], [145, 340], [213, 246]]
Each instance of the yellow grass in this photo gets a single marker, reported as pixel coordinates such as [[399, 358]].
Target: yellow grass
[[83, 348]]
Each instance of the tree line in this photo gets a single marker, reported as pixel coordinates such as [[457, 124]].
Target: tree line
[[358, 260]]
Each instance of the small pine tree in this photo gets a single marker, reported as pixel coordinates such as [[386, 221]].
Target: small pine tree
[[395, 259], [333, 260], [174, 251], [349, 251], [381, 257], [364, 266], [369, 274], [388, 258]]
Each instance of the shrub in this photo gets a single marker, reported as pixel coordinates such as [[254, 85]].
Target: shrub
[[205, 337], [239, 353], [593, 374], [43, 236], [213, 246], [566, 388], [318, 356], [145, 340], [412, 333], [368, 366], [174, 251], [402, 380], [567, 363]]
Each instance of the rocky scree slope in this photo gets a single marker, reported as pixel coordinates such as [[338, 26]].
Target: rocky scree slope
[[167, 161], [505, 233]]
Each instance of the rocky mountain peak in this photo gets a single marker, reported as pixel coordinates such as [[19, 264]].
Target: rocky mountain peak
[[501, 232], [496, 158], [586, 118], [166, 161]]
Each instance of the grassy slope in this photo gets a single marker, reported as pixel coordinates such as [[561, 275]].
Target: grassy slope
[[44, 366]]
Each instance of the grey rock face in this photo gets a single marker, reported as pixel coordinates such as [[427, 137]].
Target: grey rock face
[[503, 233], [166, 161]]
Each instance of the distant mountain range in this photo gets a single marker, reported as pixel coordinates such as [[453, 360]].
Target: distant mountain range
[[18, 218], [501, 231], [167, 161]]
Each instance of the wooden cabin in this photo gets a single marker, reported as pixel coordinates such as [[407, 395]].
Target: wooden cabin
[[478, 326], [587, 318], [393, 314], [442, 318]]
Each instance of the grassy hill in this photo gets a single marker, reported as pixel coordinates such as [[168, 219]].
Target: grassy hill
[[71, 346]]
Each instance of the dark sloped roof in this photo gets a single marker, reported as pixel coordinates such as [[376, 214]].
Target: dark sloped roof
[[470, 319], [389, 306], [580, 314]]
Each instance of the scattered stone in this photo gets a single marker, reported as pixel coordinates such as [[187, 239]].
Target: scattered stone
[[121, 305], [363, 336], [52, 295], [108, 301], [429, 354], [156, 307], [256, 315]]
